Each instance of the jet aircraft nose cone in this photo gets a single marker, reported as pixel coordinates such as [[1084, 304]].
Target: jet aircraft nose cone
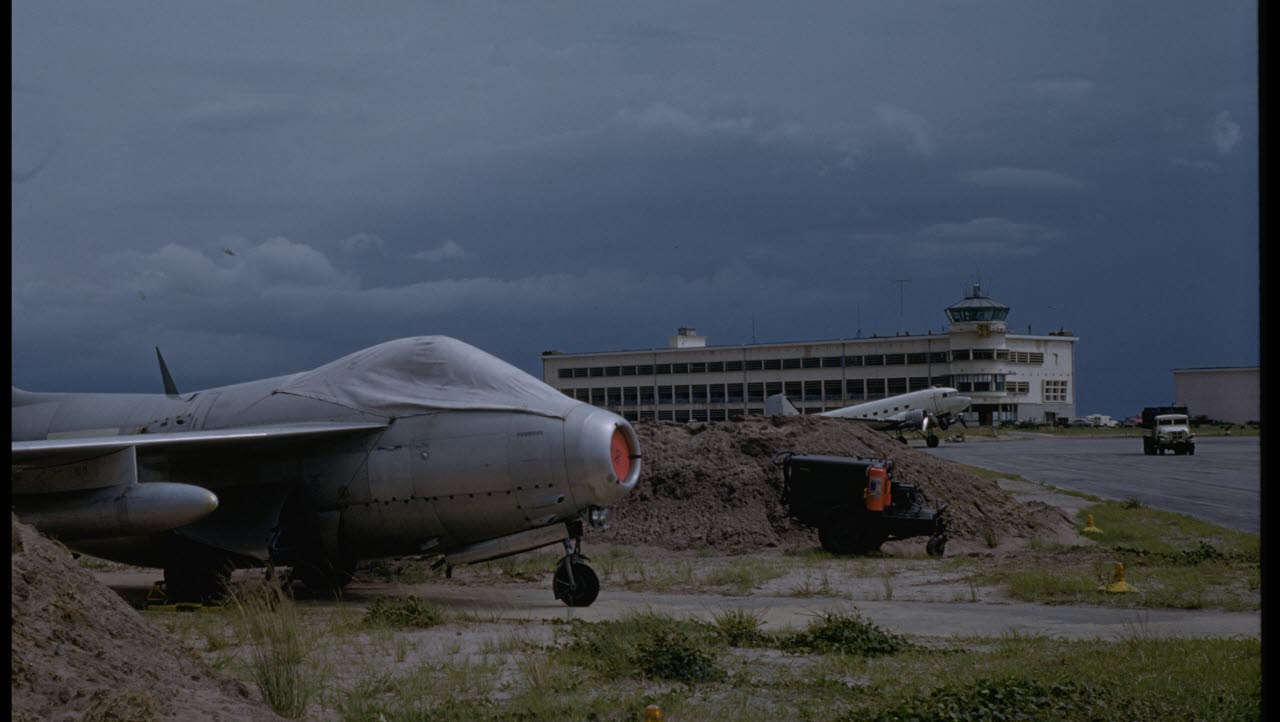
[[602, 456]]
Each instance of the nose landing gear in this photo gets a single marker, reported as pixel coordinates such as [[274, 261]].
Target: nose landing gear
[[575, 583]]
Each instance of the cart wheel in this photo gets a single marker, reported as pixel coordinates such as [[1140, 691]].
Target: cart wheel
[[936, 546], [849, 538]]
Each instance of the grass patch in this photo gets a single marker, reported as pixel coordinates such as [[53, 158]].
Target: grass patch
[[660, 577], [613, 649], [398, 571], [1160, 585], [1155, 531], [743, 575], [1002, 699], [411, 611], [1146, 679], [813, 588], [279, 647], [528, 566], [676, 656], [739, 627], [611, 670], [838, 632], [986, 473]]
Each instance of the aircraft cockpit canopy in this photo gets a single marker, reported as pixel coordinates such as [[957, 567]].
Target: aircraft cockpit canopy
[[418, 375]]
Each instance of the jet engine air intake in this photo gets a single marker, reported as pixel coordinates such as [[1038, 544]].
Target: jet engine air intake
[[602, 456]]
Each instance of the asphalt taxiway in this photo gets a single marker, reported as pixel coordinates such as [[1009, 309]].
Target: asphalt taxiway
[[1220, 483]]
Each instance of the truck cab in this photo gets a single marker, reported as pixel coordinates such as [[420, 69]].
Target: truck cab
[[1167, 428]]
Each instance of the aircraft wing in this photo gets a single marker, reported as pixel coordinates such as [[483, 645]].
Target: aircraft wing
[[53, 465]]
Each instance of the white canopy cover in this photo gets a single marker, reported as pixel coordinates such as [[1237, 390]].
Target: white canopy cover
[[422, 374]]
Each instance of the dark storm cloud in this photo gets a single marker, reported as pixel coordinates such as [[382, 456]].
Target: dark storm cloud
[[529, 178]]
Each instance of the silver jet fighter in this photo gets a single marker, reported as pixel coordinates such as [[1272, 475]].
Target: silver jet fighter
[[422, 445]]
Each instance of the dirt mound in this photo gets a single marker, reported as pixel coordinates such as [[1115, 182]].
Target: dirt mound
[[715, 484], [79, 652]]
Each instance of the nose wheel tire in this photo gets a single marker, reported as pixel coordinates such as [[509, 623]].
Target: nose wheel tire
[[931, 441], [575, 583]]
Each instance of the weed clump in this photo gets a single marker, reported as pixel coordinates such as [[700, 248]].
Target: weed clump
[[844, 633], [411, 611], [675, 656], [268, 621], [738, 627], [645, 644], [1005, 699]]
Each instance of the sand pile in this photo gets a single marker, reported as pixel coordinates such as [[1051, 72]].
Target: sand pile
[[79, 652], [715, 484]]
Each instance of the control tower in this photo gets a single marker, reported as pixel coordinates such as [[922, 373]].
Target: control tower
[[978, 314]]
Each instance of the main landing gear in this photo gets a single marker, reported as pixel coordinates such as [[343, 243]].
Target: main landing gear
[[931, 440], [575, 583]]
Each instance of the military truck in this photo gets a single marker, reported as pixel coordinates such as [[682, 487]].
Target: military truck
[[1167, 427], [856, 505]]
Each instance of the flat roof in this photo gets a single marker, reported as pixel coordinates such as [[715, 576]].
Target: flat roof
[[1201, 369], [875, 339]]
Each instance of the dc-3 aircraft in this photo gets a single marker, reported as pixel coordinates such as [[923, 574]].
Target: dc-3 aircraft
[[422, 445], [917, 410]]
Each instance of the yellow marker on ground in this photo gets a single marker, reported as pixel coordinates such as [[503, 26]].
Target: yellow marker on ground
[[1089, 528], [1118, 584], [653, 713]]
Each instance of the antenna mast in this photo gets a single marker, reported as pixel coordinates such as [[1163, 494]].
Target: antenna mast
[[901, 283]]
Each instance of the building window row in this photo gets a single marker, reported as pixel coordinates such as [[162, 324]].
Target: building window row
[[968, 383], [1017, 387], [989, 354], [838, 390], [813, 362]]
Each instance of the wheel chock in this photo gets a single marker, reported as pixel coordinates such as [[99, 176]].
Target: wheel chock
[[1118, 585], [158, 601], [1089, 528]]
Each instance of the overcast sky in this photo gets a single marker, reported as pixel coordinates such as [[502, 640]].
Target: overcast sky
[[259, 188]]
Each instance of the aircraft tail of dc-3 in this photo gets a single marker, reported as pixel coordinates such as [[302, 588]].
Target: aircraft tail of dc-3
[[420, 445], [917, 410]]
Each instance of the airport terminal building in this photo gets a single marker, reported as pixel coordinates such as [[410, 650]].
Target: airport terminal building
[[1010, 377]]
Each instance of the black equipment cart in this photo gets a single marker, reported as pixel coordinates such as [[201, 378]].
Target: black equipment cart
[[855, 503]]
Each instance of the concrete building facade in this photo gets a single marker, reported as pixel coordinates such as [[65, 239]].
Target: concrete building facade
[[1010, 377], [1227, 393]]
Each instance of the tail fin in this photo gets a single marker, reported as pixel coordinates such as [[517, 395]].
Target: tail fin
[[779, 405], [170, 388]]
